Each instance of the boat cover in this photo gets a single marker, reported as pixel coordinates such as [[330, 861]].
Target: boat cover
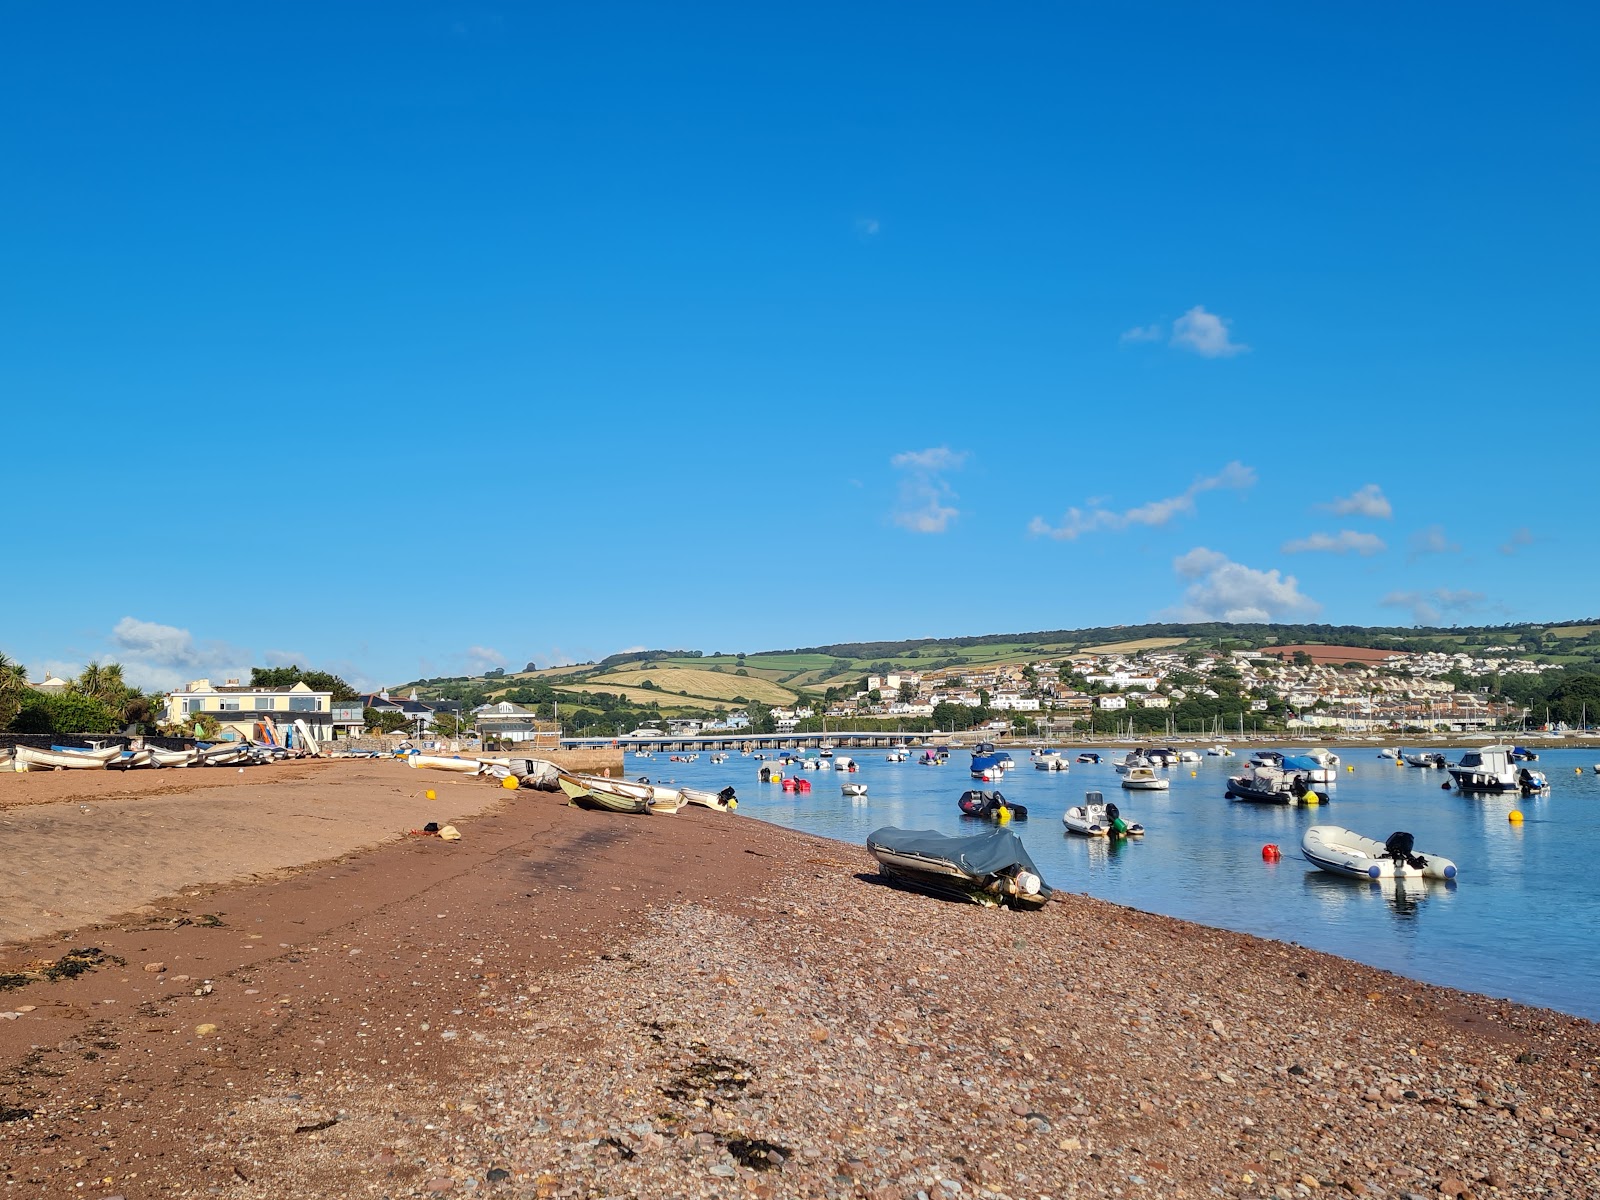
[[1301, 762], [994, 853]]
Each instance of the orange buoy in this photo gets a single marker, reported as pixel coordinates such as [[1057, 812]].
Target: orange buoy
[[1270, 852]]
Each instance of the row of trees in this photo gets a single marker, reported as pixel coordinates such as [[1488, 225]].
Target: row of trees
[[99, 700]]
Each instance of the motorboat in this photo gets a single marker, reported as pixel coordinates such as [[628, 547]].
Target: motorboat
[[1188, 756], [854, 790], [723, 801], [1162, 756], [1041, 752], [1218, 751], [931, 759], [1088, 756], [613, 795], [988, 766], [65, 758], [1491, 771], [1342, 852], [1057, 763], [664, 800], [1523, 754], [1422, 758], [1389, 752], [843, 762], [990, 806], [1132, 760], [896, 756], [1095, 818], [770, 774], [1269, 785], [990, 868], [717, 760], [1144, 779]]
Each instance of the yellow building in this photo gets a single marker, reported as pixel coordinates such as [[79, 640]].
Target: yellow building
[[239, 708]]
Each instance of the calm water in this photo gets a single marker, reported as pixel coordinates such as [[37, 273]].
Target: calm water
[[1523, 921]]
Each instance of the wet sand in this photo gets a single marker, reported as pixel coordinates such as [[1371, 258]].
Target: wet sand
[[288, 995]]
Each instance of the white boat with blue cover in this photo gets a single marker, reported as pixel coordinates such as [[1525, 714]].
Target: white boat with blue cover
[[1340, 851]]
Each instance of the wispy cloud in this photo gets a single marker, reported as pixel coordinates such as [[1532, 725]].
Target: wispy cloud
[[1077, 521], [154, 655], [1366, 501], [868, 227], [1520, 537], [483, 658], [1197, 331], [1223, 590], [923, 504], [1143, 333], [283, 658], [1346, 541], [1431, 607], [1432, 540]]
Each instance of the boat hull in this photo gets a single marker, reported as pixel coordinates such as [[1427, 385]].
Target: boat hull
[[66, 760], [608, 794], [1343, 852]]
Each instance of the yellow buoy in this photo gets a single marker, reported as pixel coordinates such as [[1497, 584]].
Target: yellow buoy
[[1192, 774], [1352, 770], [509, 783], [1577, 770], [1515, 816], [429, 794]]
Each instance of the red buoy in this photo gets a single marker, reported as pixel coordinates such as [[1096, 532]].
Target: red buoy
[[1270, 852]]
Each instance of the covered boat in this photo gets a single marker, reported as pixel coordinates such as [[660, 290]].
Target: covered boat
[[1268, 785], [989, 868], [990, 765], [989, 806], [1095, 818], [1342, 852], [1088, 756]]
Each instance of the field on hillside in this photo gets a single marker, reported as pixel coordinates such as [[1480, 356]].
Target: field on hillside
[[711, 685], [1133, 647]]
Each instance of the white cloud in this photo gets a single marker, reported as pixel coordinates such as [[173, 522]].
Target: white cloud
[[1143, 333], [1365, 501], [868, 227], [923, 504], [1077, 522], [284, 658], [1206, 334], [164, 656], [1431, 540], [482, 658], [1520, 537], [1430, 607], [1224, 590], [1346, 541]]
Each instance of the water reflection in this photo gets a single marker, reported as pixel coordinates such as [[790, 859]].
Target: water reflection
[[1404, 897]]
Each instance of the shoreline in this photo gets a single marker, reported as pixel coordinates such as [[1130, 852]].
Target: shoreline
[[616, 1005]]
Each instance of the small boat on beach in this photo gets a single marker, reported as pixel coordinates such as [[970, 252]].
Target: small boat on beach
[[612, 795], [664, 801], [1095, 818], [990, 806], [1342, 852], [65, 758], [989, 868], [723, 801], [440, 762], [173, 758]]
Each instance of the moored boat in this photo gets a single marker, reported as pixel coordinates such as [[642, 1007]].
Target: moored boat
[[1426, 760], [1088, 756], [989, 868], [1492, 771], [854, 790], [1269, 785], [1056, 763], [1095, 818], [990, 806], [1342, 852], [1144, 779]]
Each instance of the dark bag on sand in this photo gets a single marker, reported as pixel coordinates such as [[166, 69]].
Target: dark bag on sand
[[431, 827]]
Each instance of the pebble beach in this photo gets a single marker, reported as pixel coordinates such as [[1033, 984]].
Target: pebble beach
[[267, 986]]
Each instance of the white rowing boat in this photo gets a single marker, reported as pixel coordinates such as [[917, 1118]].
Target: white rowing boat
[[613, 795], [723, 801], [66, 760]]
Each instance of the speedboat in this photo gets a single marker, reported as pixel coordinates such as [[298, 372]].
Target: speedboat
[[1269, 785], [989, 765], [896, 756], [1523, 754], [1162, 756], [1188, 756], [1134, 758], [1144, 779], [1218, 751], [1095, 818], [1341, 852], [1491, 771], [1088, 756], [1054, 763], [1432, 762], [844, 763], [990, 806], [989, 868]]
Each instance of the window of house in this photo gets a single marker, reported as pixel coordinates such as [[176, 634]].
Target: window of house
[[264, 704], [228, 706], [302, 704], [194, 705]]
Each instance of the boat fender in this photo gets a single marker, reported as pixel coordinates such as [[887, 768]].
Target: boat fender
[[1270, 852], [1445, 786]]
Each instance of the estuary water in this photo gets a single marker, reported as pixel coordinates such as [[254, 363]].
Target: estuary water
[[1522, 922]]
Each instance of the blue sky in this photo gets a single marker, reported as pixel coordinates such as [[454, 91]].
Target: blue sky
[[415, 338]]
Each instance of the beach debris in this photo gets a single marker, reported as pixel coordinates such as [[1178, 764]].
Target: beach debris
[[758, 1154], [69, 966], [317, 1126], [205, 1030], [450, 833], [9, 1113]]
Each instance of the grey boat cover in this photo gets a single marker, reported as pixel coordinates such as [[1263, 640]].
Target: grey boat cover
[[992, 853]]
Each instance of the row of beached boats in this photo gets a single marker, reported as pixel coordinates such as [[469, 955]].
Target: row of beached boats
[[639, 796], [115, 758]]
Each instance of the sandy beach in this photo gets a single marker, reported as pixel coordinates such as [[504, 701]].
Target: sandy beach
[[262, 985]]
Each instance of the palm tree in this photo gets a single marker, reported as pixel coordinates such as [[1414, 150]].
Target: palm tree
[[13, 686]]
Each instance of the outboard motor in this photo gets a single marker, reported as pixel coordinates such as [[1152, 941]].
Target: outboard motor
[[1399, 846], [1112, 812]]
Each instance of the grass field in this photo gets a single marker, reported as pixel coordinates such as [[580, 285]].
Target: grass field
[[717, 686], [1574, 631], [1155, 643]]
